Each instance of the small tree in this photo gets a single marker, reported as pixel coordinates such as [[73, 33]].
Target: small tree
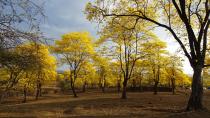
[[172, 68], [74, 50], [154, 51], [126, 40]]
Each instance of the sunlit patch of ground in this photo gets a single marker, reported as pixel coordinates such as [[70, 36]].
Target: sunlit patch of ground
[[99, 105]]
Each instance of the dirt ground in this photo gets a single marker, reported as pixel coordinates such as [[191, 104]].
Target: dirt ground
[[107, 105]]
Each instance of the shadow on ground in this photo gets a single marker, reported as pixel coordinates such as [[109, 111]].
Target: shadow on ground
[[138, 105]]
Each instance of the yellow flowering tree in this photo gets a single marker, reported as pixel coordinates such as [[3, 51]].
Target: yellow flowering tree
[[74, 49]]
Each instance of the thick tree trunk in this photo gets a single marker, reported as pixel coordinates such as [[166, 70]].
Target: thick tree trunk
[[24, 94], [195, 100], [124, 95]]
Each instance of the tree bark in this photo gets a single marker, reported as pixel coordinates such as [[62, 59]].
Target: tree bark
[[103, 84], [195, 100], [124, 95], [40, 89], [169, 82], [37, 94], [84, 86], [134, 83], [37, 90], [140, 85], [73, 88], [173, 85], [103, 88], [155, 88]]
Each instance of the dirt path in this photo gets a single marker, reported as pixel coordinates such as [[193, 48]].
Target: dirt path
[[98, 105]]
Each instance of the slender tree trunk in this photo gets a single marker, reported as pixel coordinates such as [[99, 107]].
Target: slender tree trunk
[[173, 85], [157, 79], [40, 89], [73, 88], [92, 85], [155, 88], [37, 94], [24, 94], [169, 82], [195, 100], [84, 87], [99, 83], [103, 84], [124, 95], [134, 83], [140, 85], [37, 90], [103, 89]]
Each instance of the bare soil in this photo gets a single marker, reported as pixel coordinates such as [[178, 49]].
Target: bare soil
[[105, 105]]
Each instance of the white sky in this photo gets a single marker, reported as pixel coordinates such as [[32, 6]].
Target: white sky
[[172, 47]]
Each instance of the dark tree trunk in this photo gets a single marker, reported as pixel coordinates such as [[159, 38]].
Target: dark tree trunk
[[92, 85], [84, 87], [119, 83], [103, 84], [73, 88], [169, 83], [157, 81], [103, 89], [38, 90], [134, 83], [155, 88], [1, 96], [195, 100], [24, 94], [124, 95], [72, 83], [140, 85], [37, 94], [173, 85]]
